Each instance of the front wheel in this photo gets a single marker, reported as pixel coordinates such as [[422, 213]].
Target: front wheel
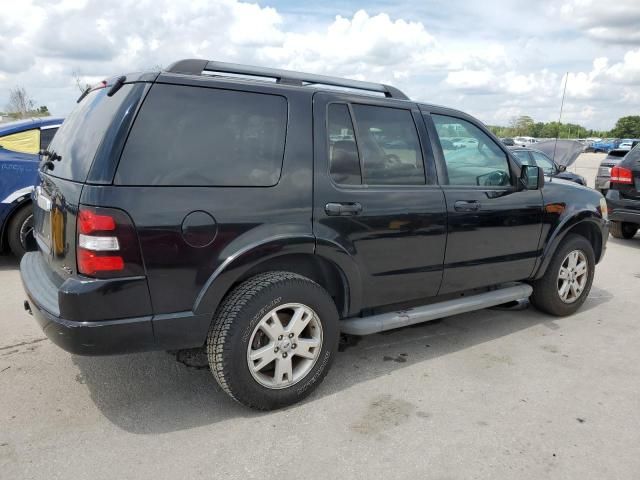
[[566, 283], [273, 340], [20, 231], [624, 230]]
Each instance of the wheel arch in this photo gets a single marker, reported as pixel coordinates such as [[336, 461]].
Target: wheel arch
[[585, 224], [297, 255]]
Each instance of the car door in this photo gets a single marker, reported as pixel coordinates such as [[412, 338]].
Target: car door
[[493, 226], [376, 200]]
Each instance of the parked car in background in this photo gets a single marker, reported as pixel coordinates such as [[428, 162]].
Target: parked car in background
[[530, 156], [613, 158], [625, 145], [508, 142], [623, 197], [605, 146], [255, 235], [465, 143], [524, 141], [20, 144]]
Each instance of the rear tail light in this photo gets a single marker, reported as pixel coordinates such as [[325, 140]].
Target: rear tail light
[[107, 244], [621, 175]]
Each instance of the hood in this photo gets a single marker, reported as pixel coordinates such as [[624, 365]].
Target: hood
[[566, 151]]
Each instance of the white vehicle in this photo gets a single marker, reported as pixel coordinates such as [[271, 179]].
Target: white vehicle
[[626, 145], [465, 142], [524, 141]]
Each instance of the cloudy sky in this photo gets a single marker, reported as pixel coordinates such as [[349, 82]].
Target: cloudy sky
[[494, 59]]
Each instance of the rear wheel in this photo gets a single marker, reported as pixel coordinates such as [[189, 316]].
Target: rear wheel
[[566, 283], [20, 231], [273, 340], [623, 229]]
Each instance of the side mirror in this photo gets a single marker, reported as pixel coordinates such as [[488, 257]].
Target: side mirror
[[531, 177], [562, 168]]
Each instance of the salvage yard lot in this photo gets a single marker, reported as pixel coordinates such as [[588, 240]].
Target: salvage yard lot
[[491, 394]]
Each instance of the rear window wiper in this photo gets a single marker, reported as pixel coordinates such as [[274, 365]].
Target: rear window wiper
[[116, 86], [83, 94]]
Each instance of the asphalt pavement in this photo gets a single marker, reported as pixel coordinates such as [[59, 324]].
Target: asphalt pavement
[[492, 394]]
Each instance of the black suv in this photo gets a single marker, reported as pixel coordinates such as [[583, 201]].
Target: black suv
[[261, 212], [623, 197]]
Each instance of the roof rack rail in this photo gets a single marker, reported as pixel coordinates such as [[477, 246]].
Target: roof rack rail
[[192, 66]]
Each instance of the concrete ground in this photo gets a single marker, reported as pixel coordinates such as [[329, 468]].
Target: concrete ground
[[488, 395]]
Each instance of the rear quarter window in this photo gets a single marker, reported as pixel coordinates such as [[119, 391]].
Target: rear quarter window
[[196, 136]]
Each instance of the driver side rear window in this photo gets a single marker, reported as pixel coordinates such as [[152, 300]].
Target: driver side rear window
[[472, 157], [383, 150]]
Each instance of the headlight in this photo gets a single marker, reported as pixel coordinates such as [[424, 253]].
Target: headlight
[[603, 208]]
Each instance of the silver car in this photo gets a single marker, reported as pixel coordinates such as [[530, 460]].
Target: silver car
[[604, 171]]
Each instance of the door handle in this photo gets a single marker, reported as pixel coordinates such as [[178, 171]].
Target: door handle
[[334, 209], [466, 206]]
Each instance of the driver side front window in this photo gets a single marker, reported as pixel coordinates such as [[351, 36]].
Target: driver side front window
[[472, 157]]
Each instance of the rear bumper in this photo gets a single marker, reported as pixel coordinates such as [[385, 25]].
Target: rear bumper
[[621, 209], [49, 302], [95, 338]]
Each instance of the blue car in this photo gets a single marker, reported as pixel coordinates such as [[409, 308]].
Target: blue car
[[20, 144]]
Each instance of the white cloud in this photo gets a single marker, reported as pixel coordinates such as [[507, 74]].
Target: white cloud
[[613, 22], [494, 75]]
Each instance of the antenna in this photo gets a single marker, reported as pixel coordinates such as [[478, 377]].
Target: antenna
[[566, 79]]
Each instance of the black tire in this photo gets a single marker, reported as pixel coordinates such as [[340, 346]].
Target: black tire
[[22, 219], [624, 230], [545, 290], [234, 325]]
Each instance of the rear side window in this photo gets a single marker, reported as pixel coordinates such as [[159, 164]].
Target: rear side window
[[27, 141], [46, 135], [344, 164], [389, 146], [203, 136], [80, 135], [521, 155]]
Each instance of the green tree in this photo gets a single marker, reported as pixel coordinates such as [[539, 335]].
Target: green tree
[[627, 127], [524, 125]]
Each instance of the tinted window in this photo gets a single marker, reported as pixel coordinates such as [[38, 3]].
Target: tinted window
[[544, 162], [203, 136], [389, 146], [472, 157], [81, 133], [46, 135], [523, 157], [344, 164]]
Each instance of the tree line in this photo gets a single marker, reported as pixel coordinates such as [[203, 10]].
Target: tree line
[[525, 126]]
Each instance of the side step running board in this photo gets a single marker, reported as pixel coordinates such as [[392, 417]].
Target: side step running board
[[389, 321]]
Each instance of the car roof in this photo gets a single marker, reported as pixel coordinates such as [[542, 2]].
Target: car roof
[[29, 123]]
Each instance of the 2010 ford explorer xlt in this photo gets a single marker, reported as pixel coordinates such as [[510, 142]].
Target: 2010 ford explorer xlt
[[200, 207]]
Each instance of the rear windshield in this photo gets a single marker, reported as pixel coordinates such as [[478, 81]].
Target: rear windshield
[[79, 137], [203, 136]]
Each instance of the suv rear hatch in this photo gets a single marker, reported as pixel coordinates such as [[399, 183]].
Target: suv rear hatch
[[84, 150], [625, 177]]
